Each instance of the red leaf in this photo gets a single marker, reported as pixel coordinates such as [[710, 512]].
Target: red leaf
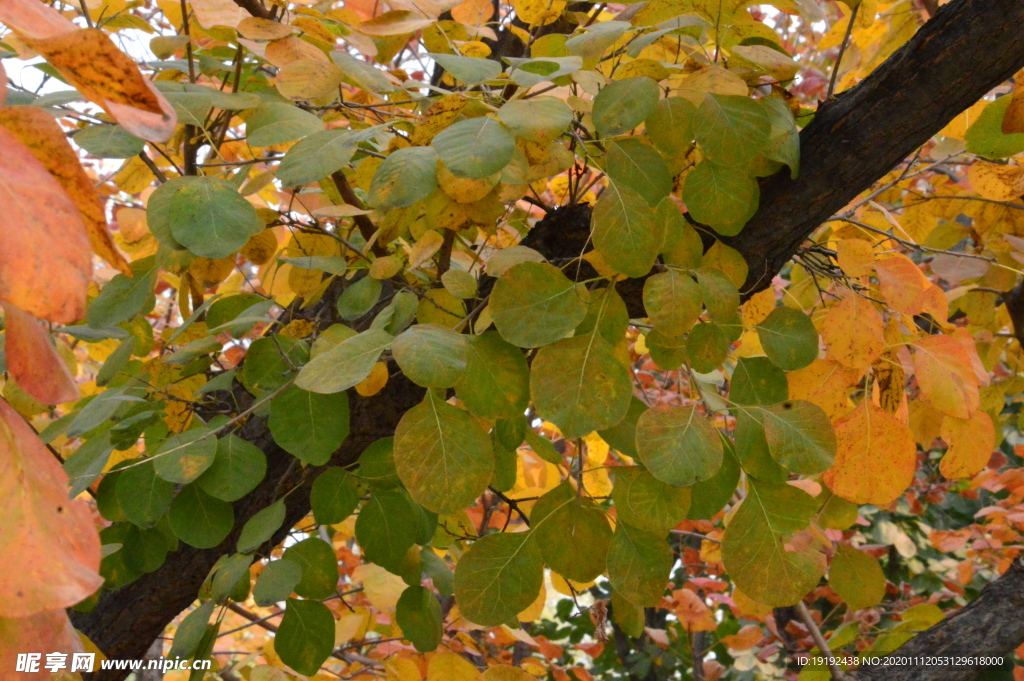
[[33, 362]]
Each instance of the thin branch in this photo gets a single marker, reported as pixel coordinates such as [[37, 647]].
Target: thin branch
[[819, 640]]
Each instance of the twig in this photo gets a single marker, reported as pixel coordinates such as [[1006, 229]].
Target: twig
[[152, 167], [364, 224], [842, 51], [819, 640]]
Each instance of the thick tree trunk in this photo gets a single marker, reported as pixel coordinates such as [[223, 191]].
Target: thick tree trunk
[[966, 49]]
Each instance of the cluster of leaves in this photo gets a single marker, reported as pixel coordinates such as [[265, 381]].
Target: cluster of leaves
[[309, 220]]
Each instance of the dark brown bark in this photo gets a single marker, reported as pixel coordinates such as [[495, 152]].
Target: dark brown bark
[[991, 625], [966, 49]]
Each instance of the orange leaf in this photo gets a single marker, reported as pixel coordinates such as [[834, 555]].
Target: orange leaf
[[33, 19], [91, 62], [50, 546], [1013, 119], [38, 131], [825, 383], [875, 458], [692, 612], [970, 441], [853, 333], [946, 376], [43, 632], [45, 263], [902, 283], [747, 637], [33, 362]]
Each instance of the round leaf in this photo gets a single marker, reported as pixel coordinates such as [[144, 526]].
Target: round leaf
[[308, 425], [476, 147], [200, 520], [305, 638], [431, 355], [534, 304], [498, 578], [678, 445], [211, 219], [789, 338], [624, 104]]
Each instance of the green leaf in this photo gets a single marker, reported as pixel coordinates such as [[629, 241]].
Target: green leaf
[[184, 457], [200, 520], [236, 470], [344, 365], [124, 297], [596, 38], [709, 497], [756, 381], [498, 578], [857, 578], [109, 141], [754, 551], [678, 445], [496, 381], [143, 496], [460, 284], [227, 574], [319, 567], [276, 582], [985, 136], [476, 147], [305, 638], [377, 464], [530, 72], [117, 360], [334, 496], [636, 165], [626, 231], [442, 455], [359, 298], [784, 143], [277, 122], [607, 313], [316, 157], [191, 630], [362, 74], [639, 563], [580, 385], [629, 616], [644, 502], [265, 366], [261, 527], [721, 298], [405, 177], [673, 302], [469, 70], [386, 528], [418, 613], [534, 304], [720, 197], [731, 129], [572, 532], [789, 338], [752, 448], [431, 355], [706, 347], [668, 352], [536, 118], [622, 436], [670, 126], [624, 104], [310, 426], [800, 436], [211, 219]]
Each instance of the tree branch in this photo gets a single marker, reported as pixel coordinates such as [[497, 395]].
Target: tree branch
[[966, 49]]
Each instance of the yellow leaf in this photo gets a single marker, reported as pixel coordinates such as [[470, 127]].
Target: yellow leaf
[[308, 78], [757, 307], [375, 382], [853, 333], [855, 256], [401, 669], [503, 672], [353, 625], [539, 12], [451, 667], [996, 181], [875, 457], [536, 608], [382, 588], [957, 127], [946, 376], [825, 383], [970, 441]]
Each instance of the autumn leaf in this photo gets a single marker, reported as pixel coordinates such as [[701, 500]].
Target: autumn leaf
[[50, 545], [876, 456], [971, 442], [45, 259], [946, 375], [853, 333], [33, 362], [92, 63], [37, 130]]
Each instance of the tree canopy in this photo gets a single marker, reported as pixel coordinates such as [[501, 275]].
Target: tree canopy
[[473, 339]]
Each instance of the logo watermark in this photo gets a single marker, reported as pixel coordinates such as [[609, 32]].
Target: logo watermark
[[30, 663]]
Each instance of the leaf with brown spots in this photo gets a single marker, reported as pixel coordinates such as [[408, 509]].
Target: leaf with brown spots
[[50, 545], [38, 131], [33, 362], [91, 62], [45, 260]]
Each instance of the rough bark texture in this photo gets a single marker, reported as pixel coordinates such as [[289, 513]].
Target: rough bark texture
[[966, 49], [991, 625]]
